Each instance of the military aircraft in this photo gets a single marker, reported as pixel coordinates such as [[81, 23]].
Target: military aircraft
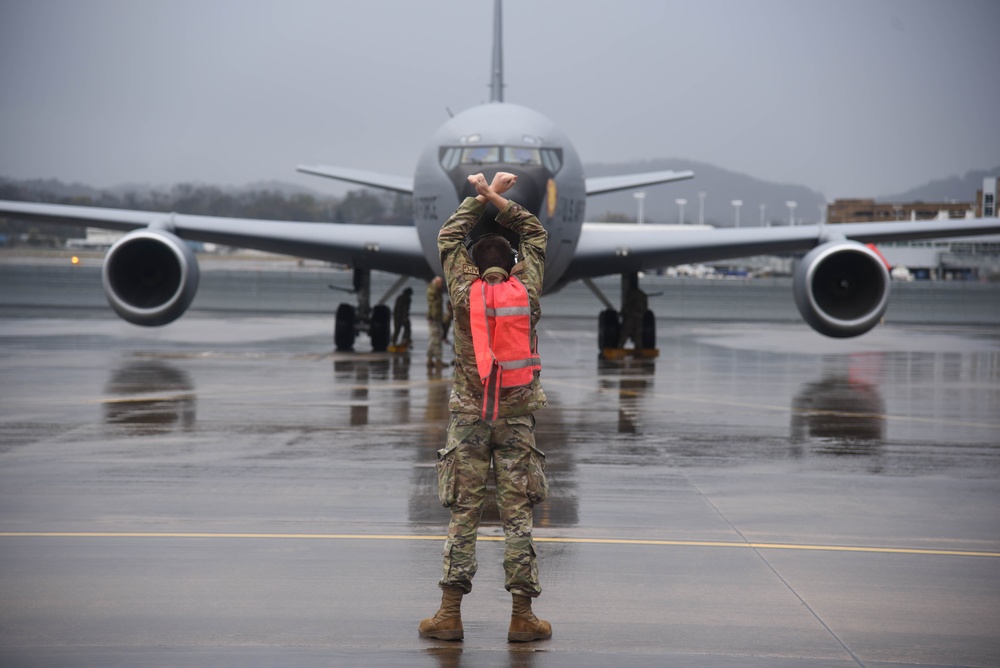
[[150, 275]]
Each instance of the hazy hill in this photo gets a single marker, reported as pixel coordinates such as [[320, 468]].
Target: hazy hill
[[960, 188], [720, 186]]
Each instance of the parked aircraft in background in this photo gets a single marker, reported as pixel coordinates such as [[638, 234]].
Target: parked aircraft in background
[[150, 276]]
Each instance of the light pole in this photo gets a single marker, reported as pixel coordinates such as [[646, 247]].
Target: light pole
[[701, 207], [680, 201], [763, 216], [737, 203], [640, 197], [791, 204]]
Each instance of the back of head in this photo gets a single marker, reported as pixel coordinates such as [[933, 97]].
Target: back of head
[[493, 250]]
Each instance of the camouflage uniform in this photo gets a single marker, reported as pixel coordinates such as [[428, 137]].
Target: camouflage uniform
[[508, 442], [435, 318]]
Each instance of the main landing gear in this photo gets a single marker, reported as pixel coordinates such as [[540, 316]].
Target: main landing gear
[[363, 318], [636, 322]]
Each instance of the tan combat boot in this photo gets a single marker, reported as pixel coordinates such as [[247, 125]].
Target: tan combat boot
[[524, 626], [447, 623]]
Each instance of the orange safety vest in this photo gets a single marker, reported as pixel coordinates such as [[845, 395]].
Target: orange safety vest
[[500, 316]]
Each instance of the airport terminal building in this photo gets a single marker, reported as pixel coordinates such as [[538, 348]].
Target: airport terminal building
[[968, 258], [868, 210]]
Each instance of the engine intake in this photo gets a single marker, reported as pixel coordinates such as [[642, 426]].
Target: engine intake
[[150, 277], [841, 288]]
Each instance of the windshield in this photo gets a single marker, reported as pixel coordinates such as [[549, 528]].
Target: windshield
[[454, 156]]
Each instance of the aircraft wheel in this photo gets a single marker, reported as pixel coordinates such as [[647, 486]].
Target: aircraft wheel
[[608, 329], [648, 330], [379, 331], [343, 328]]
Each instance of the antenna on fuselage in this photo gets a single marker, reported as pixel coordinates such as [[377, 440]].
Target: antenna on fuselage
[[496, 81]]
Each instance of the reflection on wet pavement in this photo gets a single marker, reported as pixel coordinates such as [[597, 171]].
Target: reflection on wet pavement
[[632, 379], [451, 657], [844, 407], [728, 396], [716, 401], [150, 397]]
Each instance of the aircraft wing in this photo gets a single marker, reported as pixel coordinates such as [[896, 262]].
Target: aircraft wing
[[599, 185], [595, 186], [393, 248], [399, 184], [612, 248]]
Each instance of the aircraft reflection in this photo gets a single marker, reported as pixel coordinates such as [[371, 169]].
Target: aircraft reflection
[[361, 372], [150, 397], [844, 409], [424, 507], [632, 379]]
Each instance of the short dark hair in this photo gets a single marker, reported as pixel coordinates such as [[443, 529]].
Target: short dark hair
[[492, 250]]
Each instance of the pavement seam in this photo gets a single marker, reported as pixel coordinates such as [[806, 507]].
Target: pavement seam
[[778, 575]]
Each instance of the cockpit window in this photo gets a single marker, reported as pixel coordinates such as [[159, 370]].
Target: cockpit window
[[552, 159], [450, 157], [453, 156], [480, 155], [520, 155]]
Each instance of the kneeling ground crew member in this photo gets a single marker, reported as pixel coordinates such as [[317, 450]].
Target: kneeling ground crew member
[[494, 393]]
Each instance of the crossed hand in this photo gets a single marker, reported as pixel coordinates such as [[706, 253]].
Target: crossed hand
[[502, 182]]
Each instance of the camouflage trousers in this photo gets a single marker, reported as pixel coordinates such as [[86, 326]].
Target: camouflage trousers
[[435, 335], [519, 469]]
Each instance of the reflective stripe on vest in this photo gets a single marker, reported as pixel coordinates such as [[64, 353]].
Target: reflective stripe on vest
[[500, 316]]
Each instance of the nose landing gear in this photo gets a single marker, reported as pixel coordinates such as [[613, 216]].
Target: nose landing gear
[[636, 322], [363, 318]]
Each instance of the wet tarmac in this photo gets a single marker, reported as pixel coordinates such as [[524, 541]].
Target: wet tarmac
[[227, 491]]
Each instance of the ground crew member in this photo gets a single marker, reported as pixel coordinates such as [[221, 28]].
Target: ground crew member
[[494, 393], [401, 317], [435, 320]]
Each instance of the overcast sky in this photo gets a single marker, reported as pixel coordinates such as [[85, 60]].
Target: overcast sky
[[849, 97]]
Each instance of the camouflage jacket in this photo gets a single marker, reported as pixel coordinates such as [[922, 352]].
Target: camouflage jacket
[[460, 273]]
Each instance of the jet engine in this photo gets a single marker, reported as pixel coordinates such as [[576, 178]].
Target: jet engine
[[841, 288], [150, 277]]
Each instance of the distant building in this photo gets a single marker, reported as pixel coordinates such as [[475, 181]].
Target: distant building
[[868, 210], [986, 205], [987, 199], [95, 239]]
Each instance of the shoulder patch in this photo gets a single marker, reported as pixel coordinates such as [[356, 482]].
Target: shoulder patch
[[471, 270]]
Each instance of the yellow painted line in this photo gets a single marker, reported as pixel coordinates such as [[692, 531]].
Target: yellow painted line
[[539, 539]]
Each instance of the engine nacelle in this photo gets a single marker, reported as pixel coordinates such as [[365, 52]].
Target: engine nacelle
[[150, 277], [841, 288]]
